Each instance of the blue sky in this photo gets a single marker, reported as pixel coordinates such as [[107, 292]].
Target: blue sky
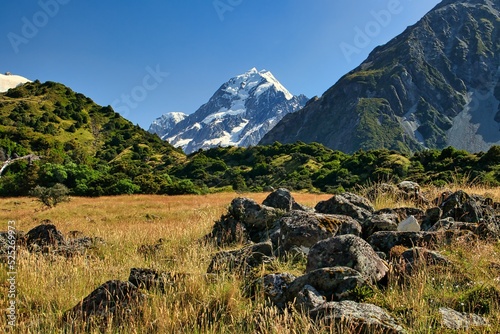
[[154, 56]]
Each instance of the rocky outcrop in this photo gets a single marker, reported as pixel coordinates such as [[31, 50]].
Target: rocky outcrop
[[348, 251], [44, 236], [341, 265]]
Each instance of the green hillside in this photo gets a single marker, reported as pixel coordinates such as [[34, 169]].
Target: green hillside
[[91, 149], [94, 151]]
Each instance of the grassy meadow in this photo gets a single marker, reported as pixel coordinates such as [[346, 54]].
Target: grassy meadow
[[47, 286]]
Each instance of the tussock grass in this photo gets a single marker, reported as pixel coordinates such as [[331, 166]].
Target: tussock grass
[[48, 286]]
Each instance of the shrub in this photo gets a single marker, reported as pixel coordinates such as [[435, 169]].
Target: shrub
[[51, 196]]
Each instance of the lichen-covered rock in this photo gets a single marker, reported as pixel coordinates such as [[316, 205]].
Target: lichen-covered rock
[[241, 261], [347, 204], [358, 317], [299, 229], [380, 222], [460, 321], [348, 251], [335, 283]]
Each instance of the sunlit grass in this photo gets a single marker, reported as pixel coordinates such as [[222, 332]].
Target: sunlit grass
[[48, 286]]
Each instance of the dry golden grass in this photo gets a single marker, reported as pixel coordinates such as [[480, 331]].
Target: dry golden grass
[[48, 286]]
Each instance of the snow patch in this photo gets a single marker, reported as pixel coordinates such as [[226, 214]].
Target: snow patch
[[8, 81]]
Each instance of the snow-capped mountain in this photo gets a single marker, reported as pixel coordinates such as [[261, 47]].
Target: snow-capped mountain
[[8, 81], [165, 123], [239, 113]]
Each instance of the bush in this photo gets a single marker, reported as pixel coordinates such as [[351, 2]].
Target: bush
[[51, 196]]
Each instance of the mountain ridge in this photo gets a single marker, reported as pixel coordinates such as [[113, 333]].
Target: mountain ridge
[[408, 93]]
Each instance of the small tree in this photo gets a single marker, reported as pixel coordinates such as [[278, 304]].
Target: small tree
[[51, 196]]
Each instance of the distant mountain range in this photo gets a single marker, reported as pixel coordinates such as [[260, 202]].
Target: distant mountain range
[[437, 84], [8, 81], [240, 112]]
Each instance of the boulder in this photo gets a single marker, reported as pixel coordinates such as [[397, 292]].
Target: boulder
[[348, 251], [252, 214], [385, 240], [410, 224], [347, 204], [282, 199], [335, 283], [299, 229], [460, 321], [380, 222], [241, 261], [44, 236], [113, 300], [412, 189], [357, 317], [462, 207], [245, 221], [409, 190]]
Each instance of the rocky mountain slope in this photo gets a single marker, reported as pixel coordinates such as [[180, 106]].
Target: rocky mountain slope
[[239, 113], [437, 84], [165, 123]]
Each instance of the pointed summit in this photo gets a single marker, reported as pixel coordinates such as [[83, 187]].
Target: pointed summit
[[240, 112]]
